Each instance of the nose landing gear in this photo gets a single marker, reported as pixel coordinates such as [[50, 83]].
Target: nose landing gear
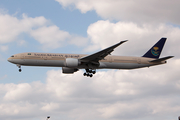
[[19, 66], [89, 72]]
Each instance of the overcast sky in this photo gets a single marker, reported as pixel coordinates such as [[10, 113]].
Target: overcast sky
[[86, 26]]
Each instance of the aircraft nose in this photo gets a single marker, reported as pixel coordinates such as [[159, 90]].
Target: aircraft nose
[[9, 59]]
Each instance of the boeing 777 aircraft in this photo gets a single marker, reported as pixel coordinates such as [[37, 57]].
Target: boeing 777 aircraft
[[71, 63]]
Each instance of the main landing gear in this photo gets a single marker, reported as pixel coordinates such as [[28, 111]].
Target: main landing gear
[[89, 72]]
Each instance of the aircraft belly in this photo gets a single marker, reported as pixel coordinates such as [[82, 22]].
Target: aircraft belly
[[122, 65], [50, 63]]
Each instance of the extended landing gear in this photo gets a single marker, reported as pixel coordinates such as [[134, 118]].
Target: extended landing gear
[[89, 72], [19, 68]]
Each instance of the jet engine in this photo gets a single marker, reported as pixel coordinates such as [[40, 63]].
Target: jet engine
[[72, 62], [67, 70]]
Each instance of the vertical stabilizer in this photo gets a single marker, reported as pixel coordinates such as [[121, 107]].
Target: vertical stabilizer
[[155, 51]]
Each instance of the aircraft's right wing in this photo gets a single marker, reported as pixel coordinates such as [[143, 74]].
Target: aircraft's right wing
[[101, 54]]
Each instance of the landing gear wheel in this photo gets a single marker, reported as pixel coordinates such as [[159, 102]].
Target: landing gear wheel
[[20, 70], [90, 75], [85, 74], [89, 72]]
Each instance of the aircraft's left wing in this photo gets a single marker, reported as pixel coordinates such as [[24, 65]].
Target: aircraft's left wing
[[101, 54]]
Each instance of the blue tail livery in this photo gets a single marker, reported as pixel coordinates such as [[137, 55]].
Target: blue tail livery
[[155, 51]]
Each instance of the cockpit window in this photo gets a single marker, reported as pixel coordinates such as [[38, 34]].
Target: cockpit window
[[29, 53], [12, 56]]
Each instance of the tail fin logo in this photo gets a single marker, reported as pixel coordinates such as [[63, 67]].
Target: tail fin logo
[[155, 51]]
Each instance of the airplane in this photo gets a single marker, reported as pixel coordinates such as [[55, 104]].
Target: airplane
[[103, 59]]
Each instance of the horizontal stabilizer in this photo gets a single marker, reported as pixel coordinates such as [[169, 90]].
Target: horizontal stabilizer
[[162, 59]]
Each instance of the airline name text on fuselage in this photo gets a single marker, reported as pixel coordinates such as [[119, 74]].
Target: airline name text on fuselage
[[57, 55]]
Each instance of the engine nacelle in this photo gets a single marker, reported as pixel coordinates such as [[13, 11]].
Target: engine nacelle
[[72, 62], [67, 70]]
